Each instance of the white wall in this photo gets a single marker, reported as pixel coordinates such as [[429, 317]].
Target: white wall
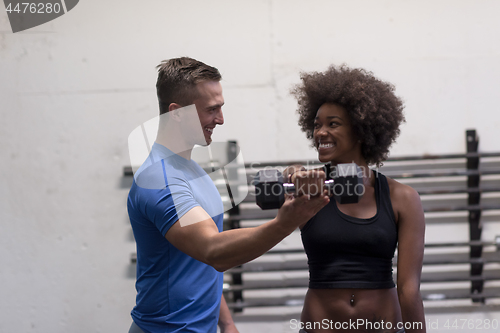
[[73, 89]]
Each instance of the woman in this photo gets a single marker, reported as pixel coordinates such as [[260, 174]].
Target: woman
[[351, 116]]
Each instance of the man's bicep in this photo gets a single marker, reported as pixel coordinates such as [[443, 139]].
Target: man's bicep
[[192, 233]]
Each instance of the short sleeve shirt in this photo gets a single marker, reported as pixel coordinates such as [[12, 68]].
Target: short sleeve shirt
[[175, 292]]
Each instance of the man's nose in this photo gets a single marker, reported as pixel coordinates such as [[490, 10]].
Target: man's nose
[[219, 118]]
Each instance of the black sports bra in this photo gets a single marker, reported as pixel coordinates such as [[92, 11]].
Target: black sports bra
[[348, 252]]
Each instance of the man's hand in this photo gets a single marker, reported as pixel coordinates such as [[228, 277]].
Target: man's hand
[[311, 198]]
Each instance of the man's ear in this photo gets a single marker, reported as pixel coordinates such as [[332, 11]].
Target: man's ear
[[174, 111]]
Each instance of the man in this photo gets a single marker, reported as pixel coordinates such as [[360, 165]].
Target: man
[[176, 213]]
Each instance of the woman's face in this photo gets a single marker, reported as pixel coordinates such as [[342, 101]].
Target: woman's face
[[333, 136]]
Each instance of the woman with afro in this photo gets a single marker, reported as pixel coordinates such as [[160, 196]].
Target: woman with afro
[[351, 116]]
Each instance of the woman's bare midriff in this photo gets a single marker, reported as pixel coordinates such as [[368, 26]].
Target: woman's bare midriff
[[327, 309]]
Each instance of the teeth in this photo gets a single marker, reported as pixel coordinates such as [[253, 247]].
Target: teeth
[[325, 145], [209, 129]]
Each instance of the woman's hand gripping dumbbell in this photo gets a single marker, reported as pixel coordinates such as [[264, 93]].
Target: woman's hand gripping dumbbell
[[346, 185]]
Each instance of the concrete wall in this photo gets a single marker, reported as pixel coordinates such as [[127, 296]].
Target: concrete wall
[[73, 89]]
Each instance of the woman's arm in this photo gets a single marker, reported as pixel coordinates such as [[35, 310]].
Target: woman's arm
[[411, 233]]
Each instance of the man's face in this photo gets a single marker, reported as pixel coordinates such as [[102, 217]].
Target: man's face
[[209, 107]]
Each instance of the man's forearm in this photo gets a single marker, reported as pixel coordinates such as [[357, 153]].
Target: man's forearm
[[238, 246], [235, 247], [197, 235]]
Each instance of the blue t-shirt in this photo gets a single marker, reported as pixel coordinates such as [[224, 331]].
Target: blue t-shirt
[[175, 293]]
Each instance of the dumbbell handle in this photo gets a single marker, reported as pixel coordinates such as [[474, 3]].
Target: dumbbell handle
[[290, 187]]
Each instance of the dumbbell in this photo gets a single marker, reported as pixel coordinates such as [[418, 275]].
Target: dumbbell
[[346, 186]]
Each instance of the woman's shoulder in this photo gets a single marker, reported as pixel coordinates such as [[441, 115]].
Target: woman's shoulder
[[401, 193], [404, 198]]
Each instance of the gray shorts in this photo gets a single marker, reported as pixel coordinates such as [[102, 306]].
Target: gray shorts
[[135, 329]]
